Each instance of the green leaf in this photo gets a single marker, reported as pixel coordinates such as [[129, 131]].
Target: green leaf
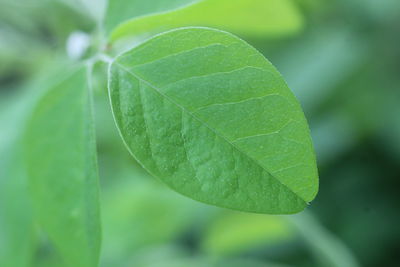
[[17, 233], [62, 168], [140, 214], [253, 18], [235, 232], [119, 11], [212, 118]]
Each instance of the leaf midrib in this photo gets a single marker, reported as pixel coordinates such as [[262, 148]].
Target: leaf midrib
[[203, 123]]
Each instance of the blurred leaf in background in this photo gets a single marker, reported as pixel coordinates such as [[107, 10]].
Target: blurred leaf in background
[[119, 11], [17, 231], [247, 18], [235, 232], [66, 142]]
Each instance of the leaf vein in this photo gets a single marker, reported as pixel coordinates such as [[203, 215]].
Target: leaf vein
[[264, 134], [237, 102], [174, 54], [215, 73]]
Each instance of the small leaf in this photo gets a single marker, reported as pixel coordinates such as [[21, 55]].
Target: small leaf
[[62, 168], [211, 117], [253, 18]]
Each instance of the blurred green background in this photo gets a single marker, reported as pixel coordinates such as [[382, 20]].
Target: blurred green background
[[342, 62]]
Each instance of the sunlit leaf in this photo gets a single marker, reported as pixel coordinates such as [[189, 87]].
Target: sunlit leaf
[[119, 11], [244, 17], [62, 168], [235, 232], [211, 117]]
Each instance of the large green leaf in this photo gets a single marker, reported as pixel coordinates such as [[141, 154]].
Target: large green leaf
[[62, 168], [244, 17], [119, 11], [211, 117]]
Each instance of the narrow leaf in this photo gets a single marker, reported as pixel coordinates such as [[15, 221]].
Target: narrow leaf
[[17, 233], [253, 18], [62, 168], [211, 117]]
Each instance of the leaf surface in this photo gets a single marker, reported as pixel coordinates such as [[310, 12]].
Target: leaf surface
[[252, 18], [62, 168], [211, 117]]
